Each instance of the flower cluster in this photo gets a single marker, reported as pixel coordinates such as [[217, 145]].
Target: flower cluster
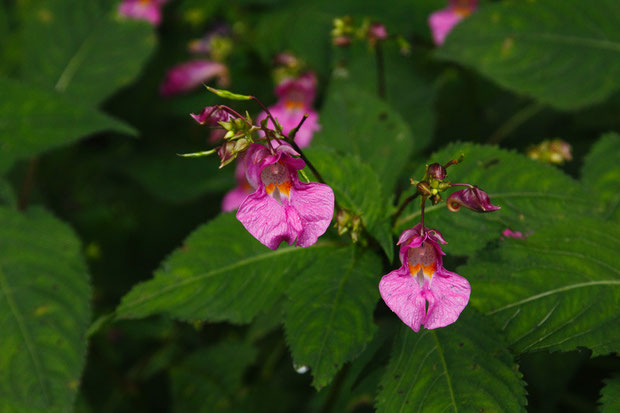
[[274, 205], [443, 21], [422, 291], [554, 151]]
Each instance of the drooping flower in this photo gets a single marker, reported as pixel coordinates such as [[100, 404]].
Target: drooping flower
[[421, 280], [236, 196], [189, 75], [282, 208], [295, 99], [443, 21], [149, 10], [211, 116], [473, 198]]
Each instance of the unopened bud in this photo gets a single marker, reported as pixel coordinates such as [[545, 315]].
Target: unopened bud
[[227, 153], [356, 228], [342, 41], [424, 188], [437, 171], [555, 151], [211, 116], [472, 198], [376, 32]]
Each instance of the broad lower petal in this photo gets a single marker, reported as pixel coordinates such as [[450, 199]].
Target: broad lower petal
[[447, 297], [189, 75], [315, 204], [266, 220], [402, 293]]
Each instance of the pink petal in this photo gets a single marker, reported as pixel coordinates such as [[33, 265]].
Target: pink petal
[[135, 9], [441, 23], [189, 75], [234, 198], [402, 293], [267, 220], [315, 204], [290, 118], [447, 297], [301, 89]]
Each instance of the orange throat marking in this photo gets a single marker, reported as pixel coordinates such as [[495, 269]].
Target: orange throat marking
[[284, 188], [428, 270]]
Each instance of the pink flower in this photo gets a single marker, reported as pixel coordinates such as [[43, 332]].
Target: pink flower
[[422, 279], [149, 10], [282, 208], [189, 75], [442, 21], [295, 99], [473, 198], [508, 233], [236, 196]]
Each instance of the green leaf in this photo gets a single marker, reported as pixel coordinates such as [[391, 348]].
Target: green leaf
[[358, 123], [610, 396], [220, 273], [557, 290], [328, 318], [44, 313], [530, 194], [565, 53], [601, 171], [33, 121], [463, 367], [82, 48], [409, 89], [227, 95], [209, 380], [358, 189], [7, 196]]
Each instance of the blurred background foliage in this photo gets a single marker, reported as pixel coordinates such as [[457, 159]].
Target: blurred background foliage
[[85, 133]]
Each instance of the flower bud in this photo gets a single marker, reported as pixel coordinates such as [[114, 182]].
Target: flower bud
[[437, 171], [473, 198], [227, 153], [377, 31], [424, 188], [211, 116]]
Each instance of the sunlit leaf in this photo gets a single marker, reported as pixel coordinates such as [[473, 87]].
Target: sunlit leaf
[[559, 289], [82, 48], [563, 52], [463, 367], [220, 273], [44, 313], [328, 318]]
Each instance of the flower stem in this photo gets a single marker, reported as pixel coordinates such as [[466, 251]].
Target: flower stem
[[380, 70], [307, 161], [423, 203], [276, 125], [403, 205]]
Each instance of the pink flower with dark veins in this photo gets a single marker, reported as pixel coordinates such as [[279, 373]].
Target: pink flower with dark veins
[[282, 208], [295, 99], [421, 280], [149, 10], [443, 21], [189, 75]]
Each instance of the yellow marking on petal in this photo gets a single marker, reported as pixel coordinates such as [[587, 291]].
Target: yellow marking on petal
[[285, 188], [270, 188], [414, 269], [294, 104]]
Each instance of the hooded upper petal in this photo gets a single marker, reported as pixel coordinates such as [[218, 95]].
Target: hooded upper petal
[[403, 294], [189, 75]]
